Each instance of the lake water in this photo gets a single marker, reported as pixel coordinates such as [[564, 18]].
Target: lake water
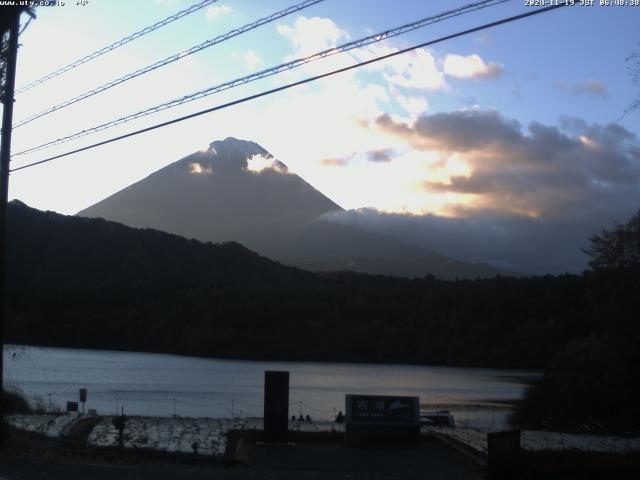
[[163, 385]]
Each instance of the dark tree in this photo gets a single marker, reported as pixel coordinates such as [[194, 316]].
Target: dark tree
[[592, 387], [616, 248]]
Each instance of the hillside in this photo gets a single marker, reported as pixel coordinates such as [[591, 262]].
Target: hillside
[[90, 283]]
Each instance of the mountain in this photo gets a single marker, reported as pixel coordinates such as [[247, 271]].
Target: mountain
[[236, 191]]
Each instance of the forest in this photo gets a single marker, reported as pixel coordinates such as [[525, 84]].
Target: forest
[[90, 283], [82, 282]]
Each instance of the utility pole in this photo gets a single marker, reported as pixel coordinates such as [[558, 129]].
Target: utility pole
[[11, 52]]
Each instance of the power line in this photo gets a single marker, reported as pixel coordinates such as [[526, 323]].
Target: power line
[[323, 410], [172, 58], [191, 404], [377, 37], [119, 43], [295, 84]]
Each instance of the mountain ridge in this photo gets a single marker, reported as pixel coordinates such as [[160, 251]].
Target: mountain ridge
[[237, 191]]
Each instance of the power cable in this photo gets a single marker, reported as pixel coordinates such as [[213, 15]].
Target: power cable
[[322, 410], [378, 37], [170, 59], [255, 405], [193, 404], [300, 82], [119, 43]]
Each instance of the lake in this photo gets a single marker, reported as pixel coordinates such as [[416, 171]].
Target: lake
[[153, 384]]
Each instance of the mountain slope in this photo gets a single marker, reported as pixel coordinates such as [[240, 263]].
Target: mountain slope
[[90, 283], [236, 191]]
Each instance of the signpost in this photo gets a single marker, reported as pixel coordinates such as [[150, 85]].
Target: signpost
[[119, 423], [276, 406], [378, 418], [83, 397]]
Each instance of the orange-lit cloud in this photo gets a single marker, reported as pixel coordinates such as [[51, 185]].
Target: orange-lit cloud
[[334, 162], [545, 171], [199, 169], [258, 163], [470, 66]]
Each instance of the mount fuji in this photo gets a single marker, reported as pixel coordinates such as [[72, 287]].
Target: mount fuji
[[237, 191]]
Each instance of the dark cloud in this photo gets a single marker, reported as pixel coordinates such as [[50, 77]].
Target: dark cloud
[[547, 171], [385, 155], [539, 192], [515, 243], [586, 87], [456, 131]]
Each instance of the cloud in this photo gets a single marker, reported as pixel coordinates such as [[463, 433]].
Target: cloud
[[250, 58], [534, 195], [258, 163], [576, 169], [385, 155], [515, 243], [335, 162], [586, 87], [310, 35], [414, 106], [470, 67], [199, 169], [456, 131], [215, 11], [417, 69], [484, 38]]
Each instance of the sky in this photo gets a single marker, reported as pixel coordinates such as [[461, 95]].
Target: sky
[[508, 146]]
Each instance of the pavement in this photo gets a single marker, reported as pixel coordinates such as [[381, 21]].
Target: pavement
[[325, 459]]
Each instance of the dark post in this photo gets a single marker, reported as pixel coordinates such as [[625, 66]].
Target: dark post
[[83, 398], [119, 424], [276, 406], [5, 155]]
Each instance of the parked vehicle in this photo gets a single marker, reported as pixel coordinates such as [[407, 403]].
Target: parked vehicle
[[438, 418]]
